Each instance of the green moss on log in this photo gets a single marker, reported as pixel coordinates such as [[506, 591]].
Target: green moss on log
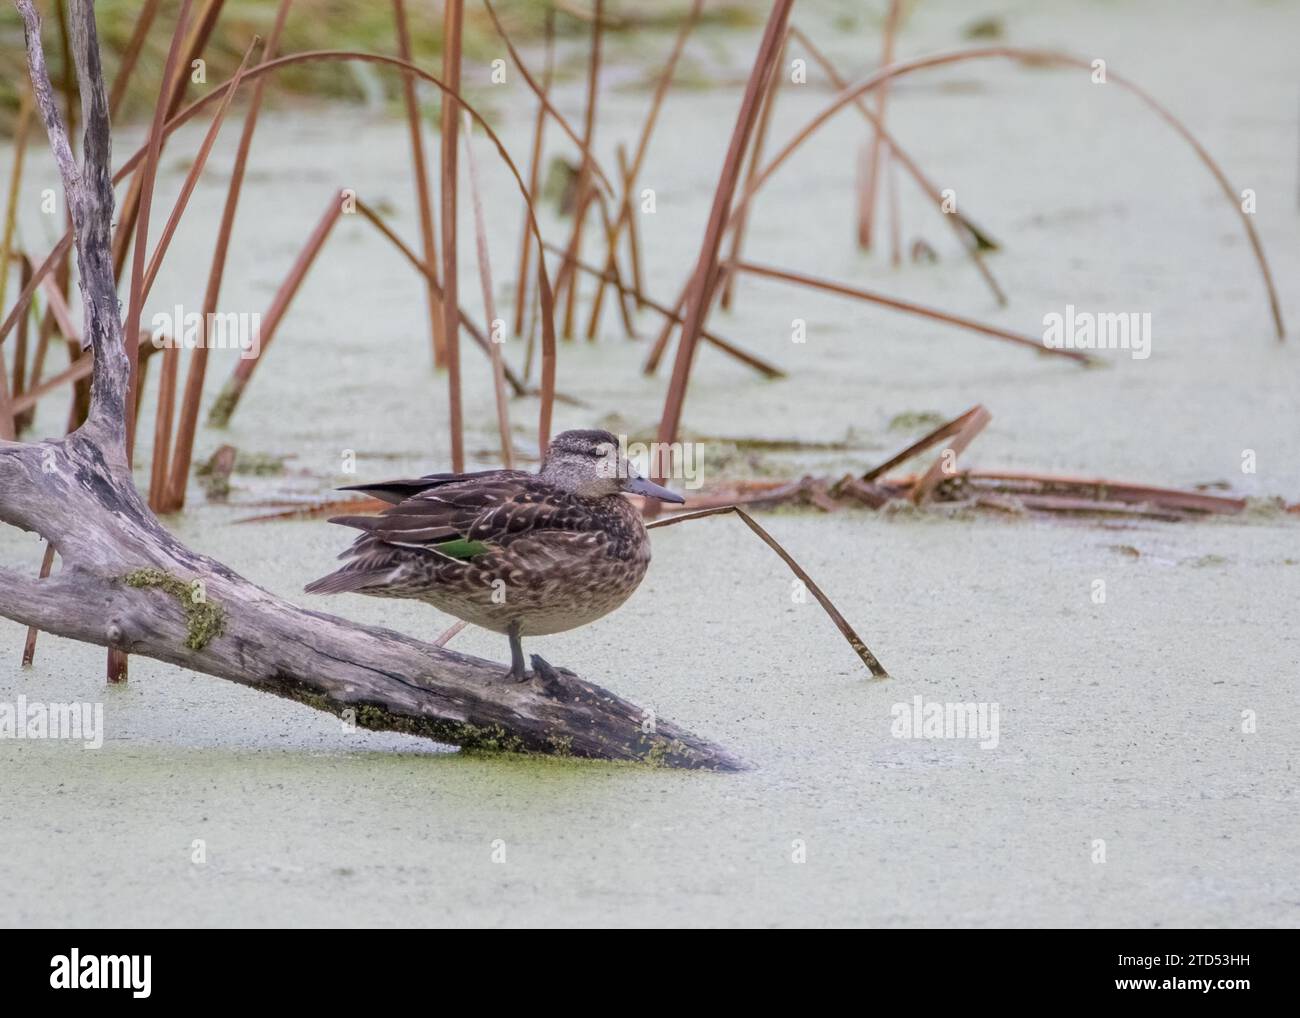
[[204, 620]]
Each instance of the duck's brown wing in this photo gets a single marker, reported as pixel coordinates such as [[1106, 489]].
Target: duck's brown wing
[[394, 492], [454, 520], [485, 508]]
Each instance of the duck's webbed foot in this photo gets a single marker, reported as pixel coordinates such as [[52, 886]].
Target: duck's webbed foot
[[547, 676]]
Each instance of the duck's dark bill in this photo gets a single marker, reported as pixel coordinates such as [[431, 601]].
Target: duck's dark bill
[[640, 486]]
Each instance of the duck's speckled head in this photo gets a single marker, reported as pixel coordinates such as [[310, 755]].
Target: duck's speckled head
[[592, 464]]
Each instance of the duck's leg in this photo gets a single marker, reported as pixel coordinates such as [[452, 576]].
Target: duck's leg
[[517, 672], [542, 671]]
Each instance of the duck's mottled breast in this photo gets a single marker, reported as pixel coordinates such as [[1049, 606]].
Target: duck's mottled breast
[[621, 522]]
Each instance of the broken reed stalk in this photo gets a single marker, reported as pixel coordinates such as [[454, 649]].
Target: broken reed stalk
[[139, 396], [29, 645], [547, 317], [923, 443], [671, 322], [58, 309], [547, 105], [230, 396], [172, 494], [1120, 491], [480, 338], [130, 55], [19, 420], [77, 411], [545, 295], [534, 174], [764, 368], [191, 180], [171, 94], [19, 318], [8, 417], [23, 418], [972, 239], [913, 309], [628, 173], [1003, 491], [703, 279], [21, 131], [683, 301], [616, 274], [530, 342], [755, 160], [420, 173], [1037, 58], [450, 632], [1006, 491], [80, 370], [867, 205], [895, 217], [148, 174], [195, 44], [496, 333], [612, 271], [20, 307], [48, 326], [841, 623], [945, 464], [586, 192], [633, 234], [452, 24], [162, 434], [631, 174], [58, 313]]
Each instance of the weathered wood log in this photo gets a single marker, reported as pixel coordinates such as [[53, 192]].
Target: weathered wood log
[[128, 583]]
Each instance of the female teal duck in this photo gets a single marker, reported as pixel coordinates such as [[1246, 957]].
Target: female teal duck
[[518, 553]]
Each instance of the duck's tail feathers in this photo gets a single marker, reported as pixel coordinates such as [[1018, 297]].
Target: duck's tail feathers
[[347, 580]]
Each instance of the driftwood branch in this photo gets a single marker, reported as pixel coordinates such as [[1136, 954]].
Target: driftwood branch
[[127, 583], [89, 191]]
